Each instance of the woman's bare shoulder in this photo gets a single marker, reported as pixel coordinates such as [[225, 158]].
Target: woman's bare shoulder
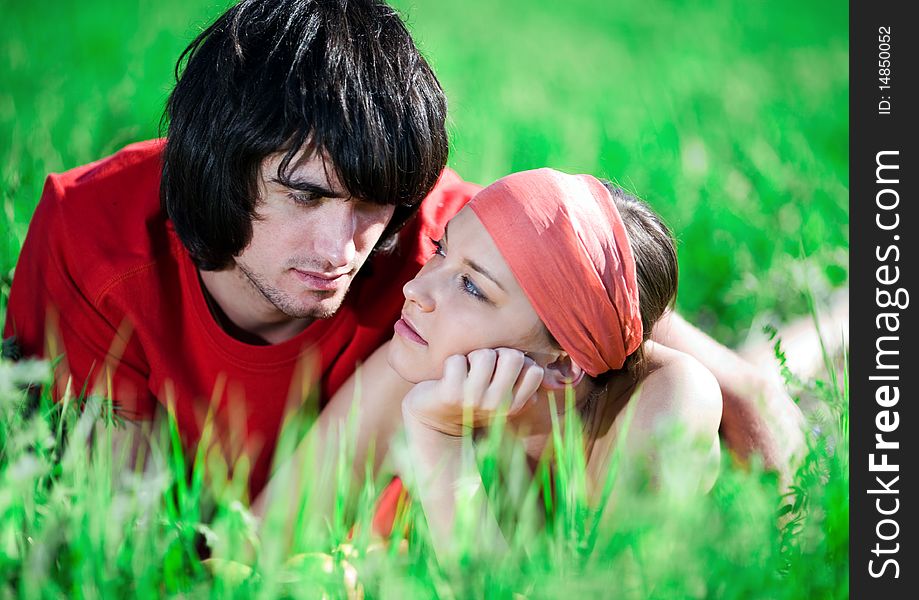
[[670, 421], [677, 385]]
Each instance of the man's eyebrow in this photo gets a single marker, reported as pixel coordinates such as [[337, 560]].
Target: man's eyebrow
[[303, 185], [477, 267]]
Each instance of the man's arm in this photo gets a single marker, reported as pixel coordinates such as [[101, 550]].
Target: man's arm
[[758, 416], [51, 314]]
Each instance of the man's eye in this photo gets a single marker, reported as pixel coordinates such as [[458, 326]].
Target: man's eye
[[438, 247], [303, 198]]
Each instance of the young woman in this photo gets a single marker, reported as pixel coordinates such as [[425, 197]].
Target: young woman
[[543, 281]]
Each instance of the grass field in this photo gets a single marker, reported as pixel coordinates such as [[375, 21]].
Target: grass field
[[730, 117]]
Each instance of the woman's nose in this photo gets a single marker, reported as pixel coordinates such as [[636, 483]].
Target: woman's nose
[[417, 291]]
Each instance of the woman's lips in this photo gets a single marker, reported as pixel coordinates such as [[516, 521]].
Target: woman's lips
[[404, 328], [320, 281]]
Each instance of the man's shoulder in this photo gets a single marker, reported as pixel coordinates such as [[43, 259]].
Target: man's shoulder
[[128, 161], [377, 298], [131, 176], [449, 195], [103, 219]]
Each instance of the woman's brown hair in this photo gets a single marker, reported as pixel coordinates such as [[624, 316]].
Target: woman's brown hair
[[655, 265]]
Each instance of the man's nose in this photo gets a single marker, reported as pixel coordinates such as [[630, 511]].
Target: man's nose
[[335, 241]]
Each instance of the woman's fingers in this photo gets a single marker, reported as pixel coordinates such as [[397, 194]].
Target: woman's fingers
[[454, 378], [485, 380], [527, 385], [508, 365], [481, 370]]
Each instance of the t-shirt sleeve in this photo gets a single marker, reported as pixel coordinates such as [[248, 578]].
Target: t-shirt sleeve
[[52, 316], [447, 198]]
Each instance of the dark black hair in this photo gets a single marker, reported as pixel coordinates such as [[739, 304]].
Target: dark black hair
[[341, 77]]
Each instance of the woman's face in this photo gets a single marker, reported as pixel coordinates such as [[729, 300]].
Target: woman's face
[[465, 298]]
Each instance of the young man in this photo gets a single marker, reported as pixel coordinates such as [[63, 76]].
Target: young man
[[263, 247], [212, 269]]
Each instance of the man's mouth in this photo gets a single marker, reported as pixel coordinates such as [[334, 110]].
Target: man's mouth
[[321, 281], [405, 328]]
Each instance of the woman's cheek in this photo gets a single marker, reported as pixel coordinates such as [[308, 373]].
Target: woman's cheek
[[461, 340], [410, 366], [448, 342]]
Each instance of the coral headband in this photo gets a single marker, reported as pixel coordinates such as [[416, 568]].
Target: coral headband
[[565, 242]]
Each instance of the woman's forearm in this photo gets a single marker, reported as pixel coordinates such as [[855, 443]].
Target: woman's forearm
[[306, 480], [444, 475], [355, 427]]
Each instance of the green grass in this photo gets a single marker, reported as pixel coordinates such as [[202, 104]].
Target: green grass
[[75, 522], [729, 117]]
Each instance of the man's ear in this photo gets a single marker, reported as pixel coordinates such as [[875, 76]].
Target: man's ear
[[562, 372]]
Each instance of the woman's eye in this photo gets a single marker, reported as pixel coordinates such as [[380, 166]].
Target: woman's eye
[[465, 284], [470, 288]]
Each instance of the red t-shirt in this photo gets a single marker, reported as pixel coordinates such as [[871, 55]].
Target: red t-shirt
[[104, 280]]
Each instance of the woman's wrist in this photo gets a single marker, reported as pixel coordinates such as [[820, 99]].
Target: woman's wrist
[[421, 426], [420, 421]]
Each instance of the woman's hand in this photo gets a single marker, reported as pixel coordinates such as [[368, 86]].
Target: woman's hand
[[474, 389]]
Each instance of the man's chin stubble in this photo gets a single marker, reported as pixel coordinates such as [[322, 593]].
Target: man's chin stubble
[[282, 302], [325, 307]]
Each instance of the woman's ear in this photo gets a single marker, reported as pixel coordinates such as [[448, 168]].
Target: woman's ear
[[562, 372]]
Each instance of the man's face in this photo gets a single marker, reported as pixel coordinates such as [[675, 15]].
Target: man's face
[[309, 238]]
